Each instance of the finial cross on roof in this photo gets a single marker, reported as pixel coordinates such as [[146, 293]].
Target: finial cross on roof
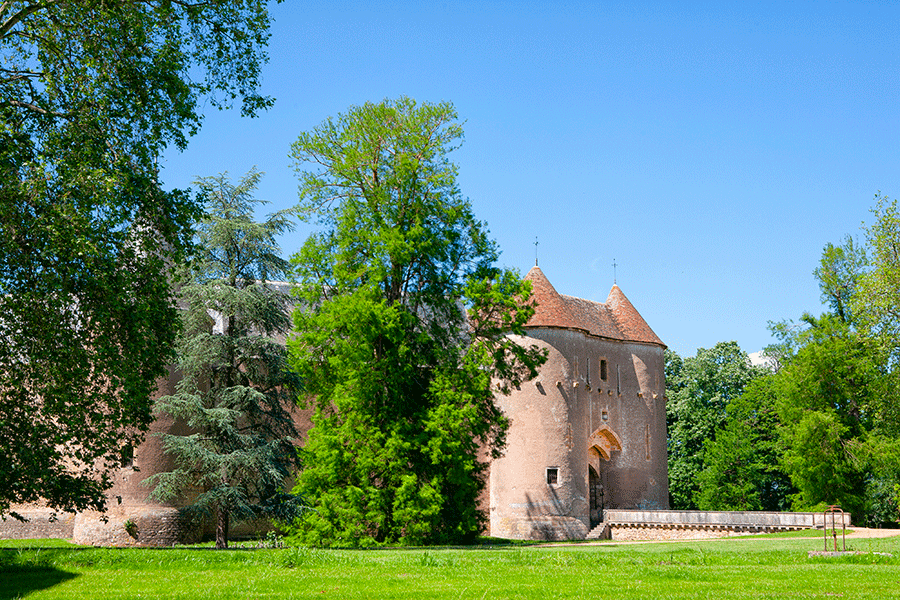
[[535, 251], [614, 271]]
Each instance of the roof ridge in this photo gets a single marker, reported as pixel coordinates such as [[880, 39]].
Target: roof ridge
[[614, 319]]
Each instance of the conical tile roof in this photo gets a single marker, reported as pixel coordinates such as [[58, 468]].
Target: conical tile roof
[[630, 322], [616, 319]]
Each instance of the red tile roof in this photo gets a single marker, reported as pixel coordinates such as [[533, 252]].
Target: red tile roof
[[616, 319]]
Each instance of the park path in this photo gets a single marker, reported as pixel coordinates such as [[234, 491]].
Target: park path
[[853, 533], [863, 532]]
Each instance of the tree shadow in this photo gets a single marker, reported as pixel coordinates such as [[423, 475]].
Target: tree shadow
[[554, 524], [18, 581]]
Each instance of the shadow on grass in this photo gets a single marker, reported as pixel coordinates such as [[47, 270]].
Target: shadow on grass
[[17, 581]]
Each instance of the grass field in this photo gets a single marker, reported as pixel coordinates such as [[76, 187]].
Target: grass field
[[732, 568]]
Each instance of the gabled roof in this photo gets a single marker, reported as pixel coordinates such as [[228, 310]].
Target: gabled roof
[[615, 319]]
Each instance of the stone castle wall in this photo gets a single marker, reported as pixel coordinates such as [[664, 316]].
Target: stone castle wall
[[41, 523], [543, 433]]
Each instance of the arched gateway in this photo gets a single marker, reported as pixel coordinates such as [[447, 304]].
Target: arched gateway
[[602, 443]]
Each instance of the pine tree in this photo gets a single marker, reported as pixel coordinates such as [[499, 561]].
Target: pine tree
[[236, 392]]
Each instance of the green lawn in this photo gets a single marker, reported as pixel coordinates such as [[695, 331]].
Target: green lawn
[[733, 568]]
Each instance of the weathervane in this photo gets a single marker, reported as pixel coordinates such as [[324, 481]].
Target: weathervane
[[535, 251], [614, 271]]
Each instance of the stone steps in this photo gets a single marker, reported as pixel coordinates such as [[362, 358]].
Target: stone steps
[[600, 532]]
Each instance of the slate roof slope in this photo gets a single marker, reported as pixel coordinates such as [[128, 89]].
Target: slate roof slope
[[616, 319]]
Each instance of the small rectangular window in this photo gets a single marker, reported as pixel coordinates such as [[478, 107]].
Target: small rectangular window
[[127, 456], [552, 475], [603, 374], [604, 416]]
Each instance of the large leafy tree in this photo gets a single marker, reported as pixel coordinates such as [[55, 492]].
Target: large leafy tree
[[828, 389], [824, 396], [90, 93], [839, 272], [699, 389], [830, 394], [742, 464], [402, 340], [877, 301], [822, 427], [236, 392], [876, 305]]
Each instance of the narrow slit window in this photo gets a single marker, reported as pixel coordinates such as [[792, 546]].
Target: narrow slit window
[[587, 374], [603, 373], [552, 475], [647, 439]]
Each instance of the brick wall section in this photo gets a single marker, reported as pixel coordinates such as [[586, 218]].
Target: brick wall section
[[42, 523], [152, 526]]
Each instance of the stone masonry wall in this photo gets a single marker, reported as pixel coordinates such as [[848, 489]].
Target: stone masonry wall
[[631, 533], [42, 523], [632, 525]]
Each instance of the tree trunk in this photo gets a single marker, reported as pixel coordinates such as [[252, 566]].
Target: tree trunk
[[222, 529]]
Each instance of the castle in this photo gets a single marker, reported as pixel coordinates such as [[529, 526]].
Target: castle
[[588, 434]]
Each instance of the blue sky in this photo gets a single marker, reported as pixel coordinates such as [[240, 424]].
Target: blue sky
[[710, 149]]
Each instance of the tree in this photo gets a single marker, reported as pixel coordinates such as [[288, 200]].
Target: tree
[[877, 307], [824, 395], [877, 301], [403, 341], [839, 272], [742, 464], [699, 389], [830, 391], [90, 93], [822, 428], [236, 392]]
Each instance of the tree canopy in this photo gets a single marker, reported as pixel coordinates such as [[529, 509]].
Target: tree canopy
[[742, 463], [699, 389], [402, 340], [877, 301], [821, 426], [90, 93], [833, 376]]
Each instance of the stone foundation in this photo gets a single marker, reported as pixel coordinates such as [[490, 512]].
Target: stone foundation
[[135, 526], [42, 523], [632, 533], [548, 527]]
